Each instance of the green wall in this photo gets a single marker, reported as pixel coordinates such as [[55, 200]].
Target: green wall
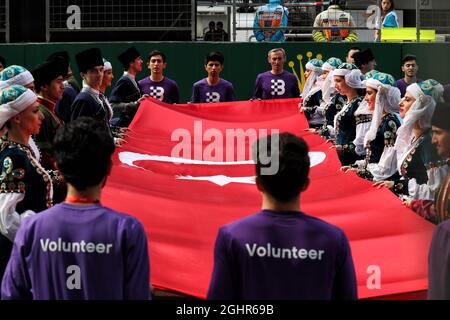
[[243, 61]]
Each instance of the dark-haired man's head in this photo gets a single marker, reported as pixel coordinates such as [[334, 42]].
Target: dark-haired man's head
[[441, 129], [282, 166], [215, 56], [156, 63], [410, 66], [82, 151], [365, 60], [214, 64], [349, 57], [212, 25], [64, 57]]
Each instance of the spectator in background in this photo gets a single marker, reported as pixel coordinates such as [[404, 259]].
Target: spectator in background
[[281, 252], [365, 61], [157, 85], [221, 35], [272, 15], [389, 18], [209, 35], [349, 57], [2, 63], [334, 18], [409, 69]]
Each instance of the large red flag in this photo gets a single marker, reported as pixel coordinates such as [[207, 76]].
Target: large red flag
[[181, 177]]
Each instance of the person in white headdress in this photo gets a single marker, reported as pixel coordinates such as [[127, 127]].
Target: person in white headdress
[[332, 102], [348, 82], [25, 186], [421, 170], [20, 76], [312, 93], [382, 101]]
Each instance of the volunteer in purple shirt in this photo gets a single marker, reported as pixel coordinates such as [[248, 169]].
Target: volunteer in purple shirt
[[213, 88], [276, 83], [409, 69], [80, 249], [157, 85], [281, 252]]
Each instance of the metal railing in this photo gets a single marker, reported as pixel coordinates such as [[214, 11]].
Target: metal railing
[[117, 15], [181, 15], [4, 18]]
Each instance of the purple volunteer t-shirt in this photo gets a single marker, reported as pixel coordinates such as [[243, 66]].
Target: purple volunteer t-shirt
[[78, 252], [165, 90], [276, 86], [402, 85], [282, 255], [221, 92]]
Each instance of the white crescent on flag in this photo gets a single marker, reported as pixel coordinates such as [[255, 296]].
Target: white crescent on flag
[[129, 158]]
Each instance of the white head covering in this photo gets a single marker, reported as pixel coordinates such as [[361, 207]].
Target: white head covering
[[315, 66], [420, 112], [352, 75], [15, 75], [387, 100], [106, 65], [14, 99], [328, 89]]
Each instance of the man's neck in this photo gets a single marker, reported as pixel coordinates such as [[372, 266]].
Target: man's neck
[[268, 203], [212, 81], [276, 72], [156, 77], [410, 80], [132, 72], [102, 89], [90, 193], [46, 97]]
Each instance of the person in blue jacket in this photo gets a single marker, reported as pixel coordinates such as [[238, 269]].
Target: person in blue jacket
[[271, 15], [388, 16]]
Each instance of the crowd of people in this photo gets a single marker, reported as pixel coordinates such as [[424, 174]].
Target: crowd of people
[[55, 156]]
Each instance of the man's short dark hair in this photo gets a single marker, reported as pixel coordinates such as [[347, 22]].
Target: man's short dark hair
[[293, 166], [407, 58], [82, 151], [214, 56], [156, 53]]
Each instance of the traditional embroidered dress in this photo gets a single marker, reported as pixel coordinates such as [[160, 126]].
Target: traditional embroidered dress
[[24, 185], [422, 169], [345, 127], [330, 111]]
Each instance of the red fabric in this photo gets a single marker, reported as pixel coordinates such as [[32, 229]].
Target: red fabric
[[182, 217]]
